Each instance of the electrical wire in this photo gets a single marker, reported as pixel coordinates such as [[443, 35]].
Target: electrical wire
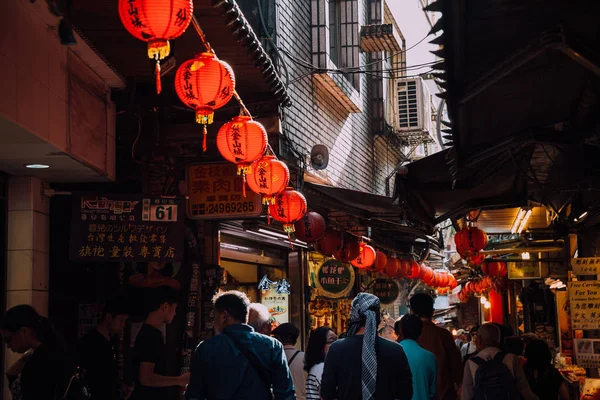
[[272, 42]]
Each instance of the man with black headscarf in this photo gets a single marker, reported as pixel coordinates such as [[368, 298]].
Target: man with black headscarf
[[363, 365]]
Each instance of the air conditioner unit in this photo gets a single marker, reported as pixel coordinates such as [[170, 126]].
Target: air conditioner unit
[[414, 110]]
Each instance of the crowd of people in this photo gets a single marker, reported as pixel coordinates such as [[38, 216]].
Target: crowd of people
[[246, 360]]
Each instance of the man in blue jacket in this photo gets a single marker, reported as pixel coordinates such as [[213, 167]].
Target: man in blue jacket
[[238, 363]]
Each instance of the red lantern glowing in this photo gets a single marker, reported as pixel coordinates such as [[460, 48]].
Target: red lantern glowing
[[427, 274], [205, 84], [331, 242], [476, 259], [270, 176], [392, 267], [350, 250], [242, 141], [156, 22], [414, 270], [470, 240], [366, 258], [453, 283], [289, 207], [494, 268], [380, 261], [310, 228]]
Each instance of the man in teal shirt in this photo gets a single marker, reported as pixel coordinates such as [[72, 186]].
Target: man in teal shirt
[[422, 363]]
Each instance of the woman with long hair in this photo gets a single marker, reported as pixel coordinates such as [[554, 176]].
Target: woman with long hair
[[318, 345], [41, 374], [545, 381]]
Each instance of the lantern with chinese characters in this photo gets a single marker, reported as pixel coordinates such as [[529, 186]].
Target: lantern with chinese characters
[[331, 242], [205, 84], [470, 241], [156, 22], [311, 227], [350, 250], [242, 141], [288, 208], [381, 261], [366, 258], [269, 176]]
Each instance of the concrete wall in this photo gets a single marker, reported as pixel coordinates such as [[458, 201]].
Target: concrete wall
[[47, 89]]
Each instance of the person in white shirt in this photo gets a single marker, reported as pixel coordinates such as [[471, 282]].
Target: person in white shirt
[[314, 360], [288, 334], [470, 348]]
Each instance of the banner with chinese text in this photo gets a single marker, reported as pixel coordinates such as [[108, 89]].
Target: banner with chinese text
[[524, 270], [117, 228], [216, 191], [585, 304], [586, 266]]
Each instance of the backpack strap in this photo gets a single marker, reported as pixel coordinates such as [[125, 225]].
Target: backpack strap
[[477, 360], [252, 360], [500, 356], [294, 356]]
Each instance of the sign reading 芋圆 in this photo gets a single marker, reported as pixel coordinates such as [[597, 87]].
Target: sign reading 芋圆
[[216, 191], [584, 300], [334, 278], [117, 228], [586, 266]]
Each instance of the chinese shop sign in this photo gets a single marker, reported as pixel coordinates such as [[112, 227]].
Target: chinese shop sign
[[119, 228], [524, 270], [335, 279], [216, 191], [387, 290], [585, 304], [586, 266], [275, 296]]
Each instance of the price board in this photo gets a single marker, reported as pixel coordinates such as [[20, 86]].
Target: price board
[[335, 279], [216, 192], [586, 266], [524, 270], [584, 303]]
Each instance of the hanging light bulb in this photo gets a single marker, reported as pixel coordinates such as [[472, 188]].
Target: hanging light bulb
[[483, 300], [525, 255], [487, 305]]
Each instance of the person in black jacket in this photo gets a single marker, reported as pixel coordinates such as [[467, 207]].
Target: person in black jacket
[[42, 374], [98, 357]]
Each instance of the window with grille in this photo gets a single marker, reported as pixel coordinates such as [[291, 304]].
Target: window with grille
[[408, 108]]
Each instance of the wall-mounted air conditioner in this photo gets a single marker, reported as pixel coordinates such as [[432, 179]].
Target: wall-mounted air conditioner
[[414, 108]]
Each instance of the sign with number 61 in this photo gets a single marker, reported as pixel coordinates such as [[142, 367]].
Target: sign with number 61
[[163, 213]]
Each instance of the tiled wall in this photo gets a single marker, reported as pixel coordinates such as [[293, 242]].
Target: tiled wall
[[316, 117]]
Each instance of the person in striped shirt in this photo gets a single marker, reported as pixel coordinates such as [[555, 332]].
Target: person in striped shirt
[[314, 359]]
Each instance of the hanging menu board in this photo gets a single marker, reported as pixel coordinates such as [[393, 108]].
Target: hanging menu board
[[585, 304], [130, 227], [335, 279], [524, 270]]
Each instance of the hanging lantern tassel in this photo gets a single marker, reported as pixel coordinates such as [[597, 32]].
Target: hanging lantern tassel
[[205, 131], [289, 228], [244, 185], [157, 75]]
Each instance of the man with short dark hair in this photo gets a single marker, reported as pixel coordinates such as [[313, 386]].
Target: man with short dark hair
[[238, 363], [97, 353], [363, 365], [398, 330], [439, 341], [422, 362], [149, 352], [288, 334]]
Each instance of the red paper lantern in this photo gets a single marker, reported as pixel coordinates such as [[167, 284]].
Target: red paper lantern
[[242, 141], [453, 283], [470, 240], [414, 270], [427, 274], [476, 259], [205, 84], [494, 268], [331, 242], [310, 228], [403, 268], [289, 207], [270, 176], [366, 258], [350, 250], [469, 287], [500, 284], [381, 261], [156, 22], [392, 267]]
